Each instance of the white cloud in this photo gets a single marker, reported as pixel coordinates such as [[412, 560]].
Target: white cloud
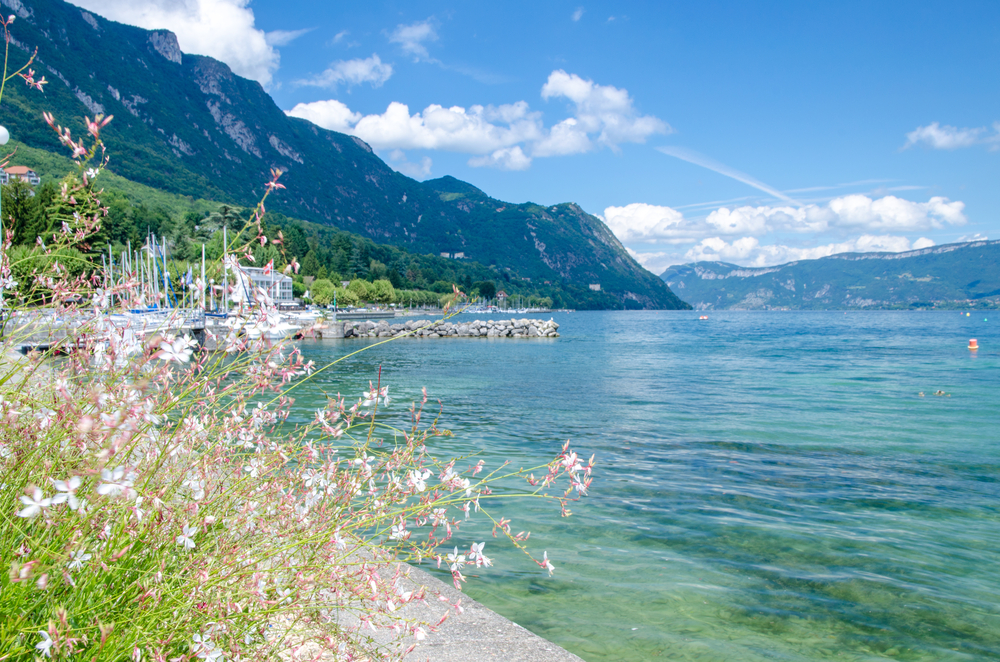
[[642, 222], [577, 14], [748, 251], [599, 109], [284, 37], [949, 137], [478, 130], [337, 38], [508, 158], [352, 72], [421, 170], [223, 29], [639, 222], [411, 38], [972, 237], [507, 136], [329, 114]]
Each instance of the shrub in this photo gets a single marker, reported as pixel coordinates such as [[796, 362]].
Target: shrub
[[157, 505]]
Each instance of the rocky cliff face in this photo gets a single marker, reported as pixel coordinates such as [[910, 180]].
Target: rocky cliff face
[[188, 125], [941, 274]]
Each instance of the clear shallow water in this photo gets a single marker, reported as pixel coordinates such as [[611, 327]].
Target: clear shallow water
[[770, 486]]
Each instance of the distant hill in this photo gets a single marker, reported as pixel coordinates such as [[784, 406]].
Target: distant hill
[[929, 277], [187, 125]]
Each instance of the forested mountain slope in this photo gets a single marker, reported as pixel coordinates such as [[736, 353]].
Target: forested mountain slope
[[188, 125], [936, 276]]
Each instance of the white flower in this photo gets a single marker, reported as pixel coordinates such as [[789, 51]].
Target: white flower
[[253, 468], [456, 561], [476, 554], [45, 644], [45, 417], [338, 540], [373, 395], [178, 349], [205, 649], [67, 492], [92, 173], [115, 482], [419, 479], [77, 559], [34, 504], [185, 539], [399, 532], [137, 511], [547, 564]]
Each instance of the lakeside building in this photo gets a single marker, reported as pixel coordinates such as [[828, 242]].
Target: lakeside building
[[277, 285], [23, 173]]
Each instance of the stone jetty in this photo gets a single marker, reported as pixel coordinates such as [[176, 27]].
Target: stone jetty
[[512, 328]]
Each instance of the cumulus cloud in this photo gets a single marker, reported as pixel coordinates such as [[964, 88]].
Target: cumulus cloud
[[330, 114], [748, 251], [223, 29], [603, 110], [352, 72], [478, 130], [949, 137], [508, 136], [411, 38], [508, 158], [640, 222]]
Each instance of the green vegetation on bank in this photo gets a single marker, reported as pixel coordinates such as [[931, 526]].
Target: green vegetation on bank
[[324, 253]]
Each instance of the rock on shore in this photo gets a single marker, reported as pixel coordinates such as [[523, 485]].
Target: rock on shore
[[512, 328]]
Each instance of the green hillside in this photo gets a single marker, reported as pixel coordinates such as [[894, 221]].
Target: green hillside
[[323, 251], [942, 276], [187, 125]]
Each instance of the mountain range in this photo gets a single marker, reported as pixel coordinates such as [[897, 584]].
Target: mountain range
[[944, 275], [187, 125]]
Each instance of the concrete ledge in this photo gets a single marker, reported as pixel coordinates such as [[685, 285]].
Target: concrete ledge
[[476, 634]]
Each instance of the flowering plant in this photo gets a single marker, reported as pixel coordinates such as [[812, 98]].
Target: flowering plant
[[157, 501]]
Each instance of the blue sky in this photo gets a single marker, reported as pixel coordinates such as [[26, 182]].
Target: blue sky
[[711, 130]]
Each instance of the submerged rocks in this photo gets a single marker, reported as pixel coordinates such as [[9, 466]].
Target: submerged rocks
[[512, 328]]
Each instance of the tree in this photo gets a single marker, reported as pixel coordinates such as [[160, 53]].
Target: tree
[[487, 288], [361, 289], [358, 265], [310, 264], [383, 292], [18, 210], [347, 297], [322, 292]]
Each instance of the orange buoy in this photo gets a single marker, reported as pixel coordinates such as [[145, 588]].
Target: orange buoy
[[703, 317], [973, 344]]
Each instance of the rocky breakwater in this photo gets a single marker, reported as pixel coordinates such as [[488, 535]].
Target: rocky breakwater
[[512, 328]]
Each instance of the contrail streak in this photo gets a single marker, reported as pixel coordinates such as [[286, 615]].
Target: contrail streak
[[701, 160]]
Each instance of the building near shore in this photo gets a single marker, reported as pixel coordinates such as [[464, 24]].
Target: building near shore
[[23, 173], [277, 285]]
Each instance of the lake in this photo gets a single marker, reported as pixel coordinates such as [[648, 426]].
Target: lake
[[770, 485]]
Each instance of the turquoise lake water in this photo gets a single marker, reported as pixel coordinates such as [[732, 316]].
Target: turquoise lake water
[[770, 485]]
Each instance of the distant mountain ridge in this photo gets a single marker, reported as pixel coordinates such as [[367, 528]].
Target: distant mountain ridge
[[919, 278], [188, 125]]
